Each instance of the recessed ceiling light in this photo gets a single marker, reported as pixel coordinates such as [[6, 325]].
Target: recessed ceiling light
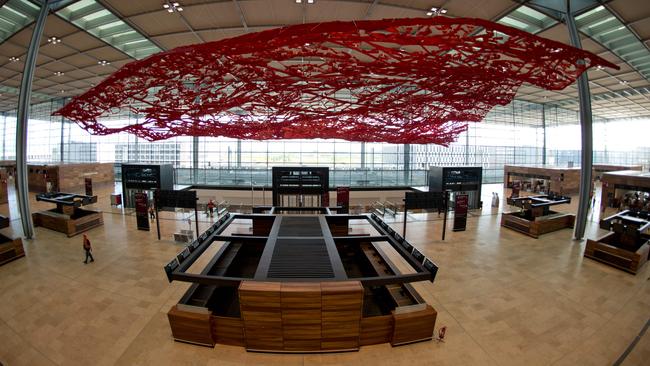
[[54, 40], [62, 91], [436, 11], [14, 59], [103, 62], [59, 73], [172, 6], [308, 1], [623, 81]]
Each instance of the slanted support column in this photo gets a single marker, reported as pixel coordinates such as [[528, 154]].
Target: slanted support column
[[22, 193], [544, 134], [195, 160], [584, 98], [407, 164]]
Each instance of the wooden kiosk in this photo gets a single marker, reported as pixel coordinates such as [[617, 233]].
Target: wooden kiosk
[[301, 283], [68, 177], [627, 246], [10, 248], [543, 178], [536, 217], [617, 184], [68, 217], [600, 169]]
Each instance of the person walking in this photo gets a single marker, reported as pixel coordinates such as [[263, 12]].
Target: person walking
[[152, 213], [211, 207], [88, 249]]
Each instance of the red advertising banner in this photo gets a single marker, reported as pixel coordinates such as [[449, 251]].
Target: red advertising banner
[[460, 212], [88, 182], [325, 199], [343, 199], [142, 210]]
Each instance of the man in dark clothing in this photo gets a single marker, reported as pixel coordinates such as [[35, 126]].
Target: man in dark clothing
[[88, 249], [211, 207]]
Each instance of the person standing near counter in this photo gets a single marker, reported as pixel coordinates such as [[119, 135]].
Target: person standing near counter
[[88, 249]]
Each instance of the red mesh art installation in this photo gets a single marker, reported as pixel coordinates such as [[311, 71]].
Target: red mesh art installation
[[398, 81]]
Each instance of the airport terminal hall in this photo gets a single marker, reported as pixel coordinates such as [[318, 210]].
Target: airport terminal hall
[[325, 182]]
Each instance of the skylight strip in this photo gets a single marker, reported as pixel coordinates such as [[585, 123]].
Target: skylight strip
[[105, 25], [603, 26], [16, 14], [528, 20]]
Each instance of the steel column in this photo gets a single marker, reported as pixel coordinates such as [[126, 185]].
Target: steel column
[[584, 98], [195, 159], [407, 164], [544, 133], [22, 192], [61, 146]]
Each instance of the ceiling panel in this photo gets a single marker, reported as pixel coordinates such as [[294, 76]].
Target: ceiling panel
[[642, 27], [105, 53], [421, 4], [130, 8], [159, 22], [271, 12], [485, 9], [82, 41], [381, 11], [209, 16], [630, 9], [345, 11], [79, 60], [176, 40], [55, 26]]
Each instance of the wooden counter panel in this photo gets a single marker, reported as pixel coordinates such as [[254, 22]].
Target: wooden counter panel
[[64, 224], [11, 250], [376, 329], [190, 326], [537, 227], [260, 305], [342, 304], [413, 325], [227, 330], [616, 257]]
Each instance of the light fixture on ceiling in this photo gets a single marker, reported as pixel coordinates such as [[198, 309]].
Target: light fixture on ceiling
[[308, 1], [14, 59], [54, 40], [436, 11], [103, 62], [599, 67], [59, 73], [623, 82], [172, 6], [62, 91]]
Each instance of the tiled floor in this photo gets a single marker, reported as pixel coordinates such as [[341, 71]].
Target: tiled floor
[[505, 299]]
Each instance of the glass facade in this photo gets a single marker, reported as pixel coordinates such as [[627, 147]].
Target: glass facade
[[519, 133]]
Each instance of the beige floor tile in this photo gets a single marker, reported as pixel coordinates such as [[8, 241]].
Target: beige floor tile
[[506, 299]]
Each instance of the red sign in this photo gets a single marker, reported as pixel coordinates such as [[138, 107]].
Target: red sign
[[460, 212], [343, 198], [142, 210], [89, 186]]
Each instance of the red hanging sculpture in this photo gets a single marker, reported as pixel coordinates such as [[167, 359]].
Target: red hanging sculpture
[[397, 81]]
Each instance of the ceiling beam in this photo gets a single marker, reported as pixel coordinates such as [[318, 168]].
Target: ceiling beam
[[370, 8], [241, 15]]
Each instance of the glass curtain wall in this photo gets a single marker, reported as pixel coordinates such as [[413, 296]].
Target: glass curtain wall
[[512, 134]]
